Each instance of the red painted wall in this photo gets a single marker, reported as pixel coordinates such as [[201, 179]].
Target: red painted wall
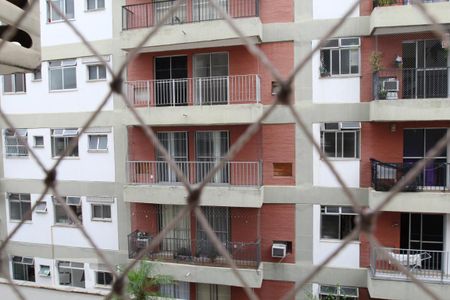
[[269, 290], [143, 218]]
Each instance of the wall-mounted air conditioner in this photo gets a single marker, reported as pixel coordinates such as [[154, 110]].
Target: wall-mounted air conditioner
[[279, 250]]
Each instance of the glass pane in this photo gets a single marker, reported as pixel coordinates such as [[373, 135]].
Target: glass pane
[[92, 70], [347, 224], [97, 211], [332, 43], [26, 207], [14, 211], [339, 140], [56, 79], [432, 136], [349, 144], [70, 12], [7, 83], [78, 279], [100, 3], [432, 228], [20, 82], [413, 143], [354, 61], [93, 142], [330, 227], [325, 62], [101, 72], [329, 143], [106, 212], [70, 78], [435, 54], [335, 62], [59, 146], [91, 4], [103, 142], [345, 61], [350, 42]]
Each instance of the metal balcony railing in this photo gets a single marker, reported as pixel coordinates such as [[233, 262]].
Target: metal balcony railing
[[195, 251], [377, 3], [149, 14], [235, 173], [426, 265], [413, 83], [433, 178], [219, 90]]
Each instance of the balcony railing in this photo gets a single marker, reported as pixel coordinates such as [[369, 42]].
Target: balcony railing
[[434, 176], [219, 90], [235, 173], [197, 252], [426, 265], [190, 11], [412, 83], [377, 3]]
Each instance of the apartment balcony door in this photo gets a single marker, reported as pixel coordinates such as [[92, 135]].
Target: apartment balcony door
[[211, 79], [211, 146], [424, 232], [416, 143], [171, 83], [176, 143], [161, 8], [219, 219], [177, 240], [425, 70], [202, 10]]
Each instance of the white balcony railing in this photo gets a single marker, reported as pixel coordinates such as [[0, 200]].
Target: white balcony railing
[[236, 89], [235, 173]]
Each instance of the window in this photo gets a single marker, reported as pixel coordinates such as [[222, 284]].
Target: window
[[176, 290], [337, 222], [282, 169], [340, 140], [340, 57], [23, 268], [103, 278], [41, 207], [101, 211], [96, 72], [38, 141], [95, 4], [44, 271], [98, 142], [337, 292], [65, 6], [14, 142], [61, 216], [19, 205], [62, 74], [37, 74], [71, 273], [14, 83], [61, 139]]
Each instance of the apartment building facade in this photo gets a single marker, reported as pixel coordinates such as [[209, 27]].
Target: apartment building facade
[[374, 97]]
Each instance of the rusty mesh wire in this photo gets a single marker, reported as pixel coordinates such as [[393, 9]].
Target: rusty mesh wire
[[366, 217]]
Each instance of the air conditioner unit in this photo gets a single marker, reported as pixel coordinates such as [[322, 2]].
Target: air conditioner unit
[[279, 250], [391, 85]]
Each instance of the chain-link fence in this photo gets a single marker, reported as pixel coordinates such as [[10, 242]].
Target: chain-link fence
[[366, 217]]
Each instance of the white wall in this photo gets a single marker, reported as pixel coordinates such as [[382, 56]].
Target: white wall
[[347, 168], [42, 229], [39, 99], [331, 9], [93, 25], [322, 248], [88, 166], [333, 89]]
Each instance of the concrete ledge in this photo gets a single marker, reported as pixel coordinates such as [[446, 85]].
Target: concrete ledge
[[399, 290], [410, 110], [210, 275], [229, 196], [216, 33], [407, 18], [415, 202]]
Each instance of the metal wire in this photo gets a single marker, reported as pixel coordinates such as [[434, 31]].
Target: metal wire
[[366, 217]]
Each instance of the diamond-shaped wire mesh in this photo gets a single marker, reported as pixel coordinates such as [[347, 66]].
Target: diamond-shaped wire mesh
[[366, 218]]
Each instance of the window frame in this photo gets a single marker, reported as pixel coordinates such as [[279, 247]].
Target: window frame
[[14, 84], [37, 71], [64, 65], [25, 266], [339, 135], [20, 201], [53, 16], [104, 274], [97, 72], [69, 268], [18, 138], [339, 47], [97, 149], [340, 212], [339, 294], [36, 145], [77, 209], [66, 134], [102, 217], [96, 6]]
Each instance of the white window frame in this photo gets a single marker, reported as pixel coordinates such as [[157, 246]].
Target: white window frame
[[342, 128], [97, 147], [53, 16], [69, 267], [67, 134], [330, 210], [96, 5], [75, 203], [97, 72], [13, 141], [26, 262], [65, 65], [102, 217], [338, 45], [37, 73], [338, 292], [22, 198], [14, 87], [97, 273], [44, 271], [36, 145], [41, 207]]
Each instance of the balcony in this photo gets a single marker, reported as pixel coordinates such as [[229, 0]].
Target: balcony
[[196, 251], [426, 265], [191, 26], [378, 3], [219, 90], [234, 173]]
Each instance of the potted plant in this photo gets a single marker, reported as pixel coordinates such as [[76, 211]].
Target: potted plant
[[382, 94]]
